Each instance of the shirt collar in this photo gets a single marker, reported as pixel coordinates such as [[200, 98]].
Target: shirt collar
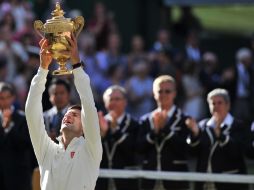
[[63, 111], [73, 142], [227, 121], [119, 119]]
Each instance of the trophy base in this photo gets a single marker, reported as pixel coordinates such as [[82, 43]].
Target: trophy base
[[62, 72]]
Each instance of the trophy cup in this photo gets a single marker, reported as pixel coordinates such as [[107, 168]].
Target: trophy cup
[[55, 30]]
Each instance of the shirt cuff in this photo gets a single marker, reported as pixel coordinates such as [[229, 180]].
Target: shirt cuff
[[42, 72]]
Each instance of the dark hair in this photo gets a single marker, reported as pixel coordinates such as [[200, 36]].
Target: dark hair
[[58, 81], [7, 87], [75, 107]]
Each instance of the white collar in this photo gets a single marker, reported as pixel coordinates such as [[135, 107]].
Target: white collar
[[74, 141], [119, 119], [227, 121], [63, 111]]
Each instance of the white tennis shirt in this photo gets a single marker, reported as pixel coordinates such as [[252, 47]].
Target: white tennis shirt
[[77, 167]]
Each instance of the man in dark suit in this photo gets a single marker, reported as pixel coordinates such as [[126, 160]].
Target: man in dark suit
[[163, 135], [15, 145], [59, 96], [219, 142], [239, 81], [118, 131]]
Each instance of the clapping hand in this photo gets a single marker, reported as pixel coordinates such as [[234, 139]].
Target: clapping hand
[[192, 125], [103, 124], [159, 120], [6, 117]]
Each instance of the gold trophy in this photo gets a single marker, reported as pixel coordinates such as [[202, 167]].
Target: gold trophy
[[55, 30]]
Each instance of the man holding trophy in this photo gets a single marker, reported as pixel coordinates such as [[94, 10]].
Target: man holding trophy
[[74, 162]]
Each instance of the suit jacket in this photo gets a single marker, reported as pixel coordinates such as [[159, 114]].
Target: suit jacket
[[119, 152], [166, 151], [223, 154], [250, 142], [16, 154]]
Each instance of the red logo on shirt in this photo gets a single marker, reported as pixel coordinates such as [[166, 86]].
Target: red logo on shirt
[[72, 154]]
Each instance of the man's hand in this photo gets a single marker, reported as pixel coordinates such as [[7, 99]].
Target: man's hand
[[192, 125], [74, 53], [218, 121], [45, 54], [6, 117], [159, 119]]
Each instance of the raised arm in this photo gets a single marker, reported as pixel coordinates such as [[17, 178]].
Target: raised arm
[[33, 109], [89, 116]]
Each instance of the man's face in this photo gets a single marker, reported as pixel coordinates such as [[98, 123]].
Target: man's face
[[164, 94], [6, 99], [72, 122], [115, 101], [218, 106], [59, 96]]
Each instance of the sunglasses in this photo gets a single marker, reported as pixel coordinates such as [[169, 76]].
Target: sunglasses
[[167, 91]]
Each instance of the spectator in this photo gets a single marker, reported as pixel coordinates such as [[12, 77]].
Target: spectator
[[163, 135], [112, 55], [163, 41], [187, 22], [101, 25], [118, 131], [137, 52], [193, 51], [15, 145], [219, 142], [238, 80], [209, 75], [193, 102], [14, 51], [139, 90]]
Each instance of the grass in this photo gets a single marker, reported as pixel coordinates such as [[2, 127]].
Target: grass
[[228, 19]]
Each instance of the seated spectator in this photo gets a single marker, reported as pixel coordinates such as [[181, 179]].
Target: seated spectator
[[193, 103], [102, 24], [139, 90]]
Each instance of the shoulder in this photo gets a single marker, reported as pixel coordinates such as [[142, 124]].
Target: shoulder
[[203, 122], [49, 112], [180, 114], [239, 124], [21, 113], [145, 117]]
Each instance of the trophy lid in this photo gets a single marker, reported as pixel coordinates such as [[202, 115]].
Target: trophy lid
[[58, 23]]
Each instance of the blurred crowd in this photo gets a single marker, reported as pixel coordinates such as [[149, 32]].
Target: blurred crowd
[[195, 71]]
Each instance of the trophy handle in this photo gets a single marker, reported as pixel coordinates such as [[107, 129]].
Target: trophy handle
[[78, 23], [38, 26]]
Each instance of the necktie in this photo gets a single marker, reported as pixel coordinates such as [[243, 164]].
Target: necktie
[[56, 122]]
